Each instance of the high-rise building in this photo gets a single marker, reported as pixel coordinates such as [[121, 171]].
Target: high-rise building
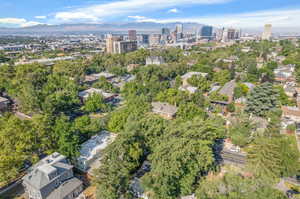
[[110, 39], [124, 46], [267, 34], [165, 35], [165, 31], [179, 28], [206, 32], [145, 39], [179, 31], [229, 34], [154, 39], [132, 35]]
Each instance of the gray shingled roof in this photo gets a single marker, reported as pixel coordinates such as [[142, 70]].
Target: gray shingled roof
[[65, 189], [38, 177], [228, 89]]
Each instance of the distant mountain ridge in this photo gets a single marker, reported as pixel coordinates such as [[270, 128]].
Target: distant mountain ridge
[[143, 27]]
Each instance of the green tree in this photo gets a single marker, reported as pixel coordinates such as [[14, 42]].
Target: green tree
[[189, 111], [262, 99], [95, 103]]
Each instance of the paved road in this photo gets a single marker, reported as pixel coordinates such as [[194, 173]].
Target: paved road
[[233, 157]]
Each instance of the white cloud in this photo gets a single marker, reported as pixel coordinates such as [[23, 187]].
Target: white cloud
[[124, 7], [12, 21], [137, 17], [174, 10], [279, 18], [40, 17], [20, 22]]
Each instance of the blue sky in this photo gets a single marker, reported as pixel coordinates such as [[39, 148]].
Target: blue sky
[[233, 13]]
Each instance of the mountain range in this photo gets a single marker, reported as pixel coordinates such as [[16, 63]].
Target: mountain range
[[143, 27]]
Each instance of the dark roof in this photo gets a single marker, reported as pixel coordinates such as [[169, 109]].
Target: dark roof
[[38, 177], [228, 89], [65, 189]]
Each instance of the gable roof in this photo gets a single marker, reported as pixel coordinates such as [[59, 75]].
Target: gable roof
[[228, 89]]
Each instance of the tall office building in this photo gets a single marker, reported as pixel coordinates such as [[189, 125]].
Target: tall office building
[[267, 34], [110, 39], [179, 31], [145, 39], [229, 34], [165, 34], [206, 32], [154, 39], [179, 28], [132, 35], [165, 31], [124, 46]]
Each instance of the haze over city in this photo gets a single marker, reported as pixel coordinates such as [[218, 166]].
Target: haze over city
[[219, 13]]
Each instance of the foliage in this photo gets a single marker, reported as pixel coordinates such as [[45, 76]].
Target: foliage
[[102, 83], [18, 143], [274, 157], [283, 98], [241, 131], [96, 103], [122, 157], [200, 82], [233, 186], [241, 90], [215, 96], [262, 99], [221, 77], [189, 111]]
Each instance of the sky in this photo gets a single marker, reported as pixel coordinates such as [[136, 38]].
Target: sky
[[219, 13]]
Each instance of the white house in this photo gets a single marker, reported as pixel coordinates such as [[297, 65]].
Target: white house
[[91, 151]]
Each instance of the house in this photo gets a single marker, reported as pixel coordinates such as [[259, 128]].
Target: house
[[89, 79], [228, 90], [289, 89], [246, 49], [3, 103], [84, 95], [291, 113], [164, 109], [52, 178], [284, 73], [154, 60], [190, 75], [91, 151], [190, 89]]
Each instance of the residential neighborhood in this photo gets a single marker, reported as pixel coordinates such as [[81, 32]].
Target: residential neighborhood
[[211, 114]]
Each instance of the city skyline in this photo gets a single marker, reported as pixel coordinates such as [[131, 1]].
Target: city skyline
[[227, 13]]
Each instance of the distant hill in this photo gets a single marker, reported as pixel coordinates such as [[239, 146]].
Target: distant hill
[[144, 27]]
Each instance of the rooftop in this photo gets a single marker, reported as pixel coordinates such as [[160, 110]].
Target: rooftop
[[162, 107], [86, 93], [96, 144], [190, 74], [46, 170], [2, 99], [228, 88], [65, 189]]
